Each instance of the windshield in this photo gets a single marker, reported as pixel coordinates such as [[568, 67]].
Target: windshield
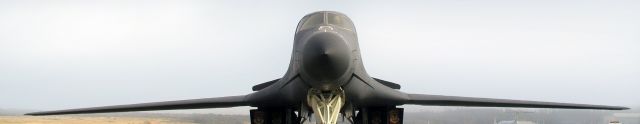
[[339, 20], [312, 21]]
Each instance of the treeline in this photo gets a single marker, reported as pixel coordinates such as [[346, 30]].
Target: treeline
[[190, 118]]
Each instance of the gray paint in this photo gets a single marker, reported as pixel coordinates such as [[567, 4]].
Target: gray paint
[[327, 46]]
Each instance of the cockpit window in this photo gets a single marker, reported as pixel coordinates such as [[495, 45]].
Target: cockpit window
[[340, 20], [312, 21]]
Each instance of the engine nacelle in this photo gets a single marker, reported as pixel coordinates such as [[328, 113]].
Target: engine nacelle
[[380, 115], [273, 116]]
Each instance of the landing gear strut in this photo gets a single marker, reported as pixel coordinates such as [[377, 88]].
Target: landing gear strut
[[326, 105]]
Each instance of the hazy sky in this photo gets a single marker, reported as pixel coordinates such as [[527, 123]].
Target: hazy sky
[[67, 54]]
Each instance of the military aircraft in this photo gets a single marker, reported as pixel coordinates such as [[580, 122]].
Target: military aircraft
[[325, 80]]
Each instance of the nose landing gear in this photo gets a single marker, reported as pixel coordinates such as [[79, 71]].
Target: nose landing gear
[[326, 105]]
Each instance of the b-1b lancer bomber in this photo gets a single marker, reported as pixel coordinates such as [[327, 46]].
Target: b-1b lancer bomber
[[326, 80]]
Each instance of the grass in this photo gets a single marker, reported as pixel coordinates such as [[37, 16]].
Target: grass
[[84, 120]]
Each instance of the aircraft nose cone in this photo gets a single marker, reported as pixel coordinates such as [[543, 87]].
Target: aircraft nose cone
[[325, 58]]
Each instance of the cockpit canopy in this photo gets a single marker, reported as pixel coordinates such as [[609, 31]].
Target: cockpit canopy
[[325, 18]]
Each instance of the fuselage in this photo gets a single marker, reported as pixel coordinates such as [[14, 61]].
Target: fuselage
[[325, 56], [325, 50]]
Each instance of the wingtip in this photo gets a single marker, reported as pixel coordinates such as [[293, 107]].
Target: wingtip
[[618, 108], [37, 113], [32, 114]]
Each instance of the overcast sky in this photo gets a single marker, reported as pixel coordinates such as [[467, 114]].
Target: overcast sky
[[66, 54]]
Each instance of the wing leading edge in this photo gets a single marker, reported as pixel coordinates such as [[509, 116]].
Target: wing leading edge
[[438, 100], [218, 102]]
